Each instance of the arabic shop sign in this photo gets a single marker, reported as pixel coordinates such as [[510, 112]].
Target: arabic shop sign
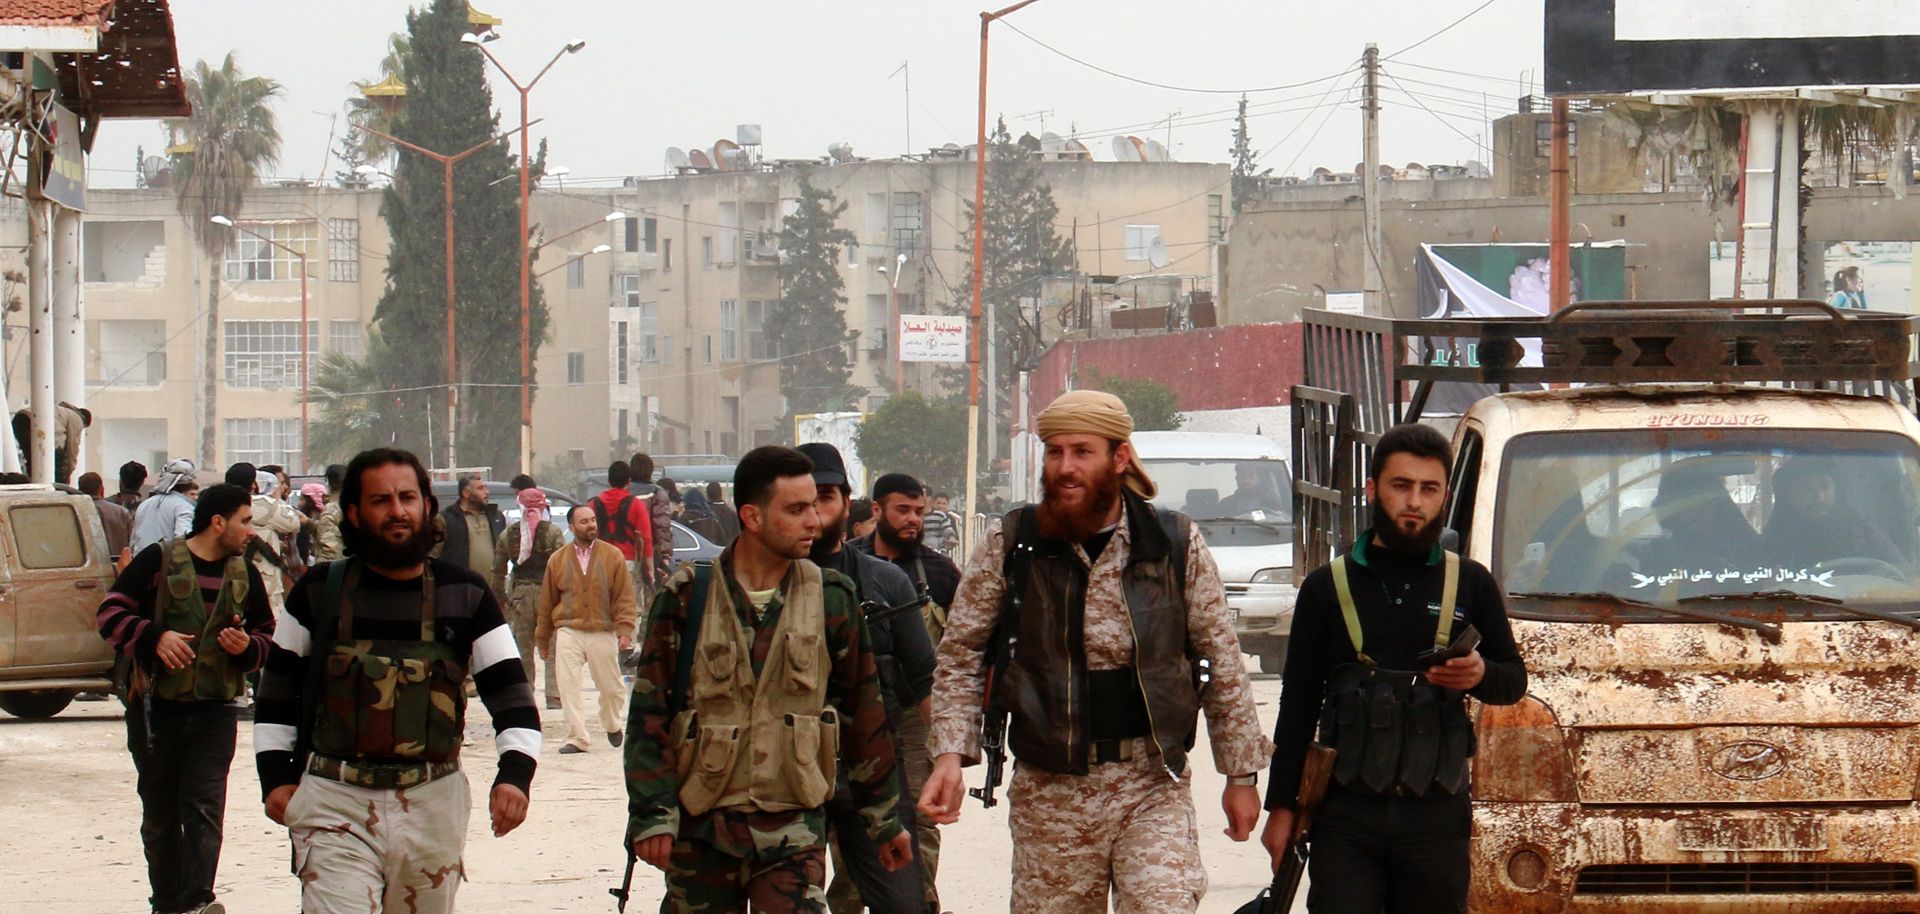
[[933, 338]]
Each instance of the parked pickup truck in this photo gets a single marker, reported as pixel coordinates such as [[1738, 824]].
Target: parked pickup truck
[[1706, 518], [54, 570]]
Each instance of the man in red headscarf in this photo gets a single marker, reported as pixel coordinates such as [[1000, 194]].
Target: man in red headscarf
[[525, 546]]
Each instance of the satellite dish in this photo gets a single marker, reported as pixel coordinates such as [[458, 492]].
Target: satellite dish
[[1139, 153], [1157, 252], [697, 158], [1078, 150], [1157, 152], [840, 152], [1122, 149], [677, 160], [156, 171], [1052, 144], [721, 159], [735, 160]]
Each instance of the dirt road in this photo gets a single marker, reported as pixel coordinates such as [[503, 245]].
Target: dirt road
[[72, 844]]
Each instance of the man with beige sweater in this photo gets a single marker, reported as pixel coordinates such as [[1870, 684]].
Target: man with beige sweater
[[587, 617]]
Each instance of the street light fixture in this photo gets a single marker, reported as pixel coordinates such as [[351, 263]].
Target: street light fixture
[[526, 241], [614, 216], [893, 308], [305, 387], [597, 249]]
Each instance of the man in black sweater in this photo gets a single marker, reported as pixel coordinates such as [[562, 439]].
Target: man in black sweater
[[1392, 834]]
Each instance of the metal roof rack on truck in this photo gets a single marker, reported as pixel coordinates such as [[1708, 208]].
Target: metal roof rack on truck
[[1364, 374]]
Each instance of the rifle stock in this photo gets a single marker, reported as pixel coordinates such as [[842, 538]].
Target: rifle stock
[[626, 883], [993, 749], [1314, 776]]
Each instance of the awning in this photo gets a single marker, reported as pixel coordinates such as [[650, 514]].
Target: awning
[[115, 58]]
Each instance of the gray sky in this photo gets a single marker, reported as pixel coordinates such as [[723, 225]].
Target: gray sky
[[811, 73]]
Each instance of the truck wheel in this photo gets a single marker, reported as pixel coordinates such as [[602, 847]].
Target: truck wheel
[[39, 704]]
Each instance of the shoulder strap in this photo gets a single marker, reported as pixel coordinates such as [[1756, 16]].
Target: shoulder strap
[[690, 635], [1344, 589], [1443, 635], [320, 644]]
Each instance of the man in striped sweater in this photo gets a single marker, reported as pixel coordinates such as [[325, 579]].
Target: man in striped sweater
[[360, 716], [194, 617]]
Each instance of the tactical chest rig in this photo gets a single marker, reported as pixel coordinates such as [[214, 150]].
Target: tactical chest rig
[[1395, 732], [213, 675]]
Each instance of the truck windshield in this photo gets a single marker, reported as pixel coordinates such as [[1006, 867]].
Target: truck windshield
[[1663, 515], [1216, 489]]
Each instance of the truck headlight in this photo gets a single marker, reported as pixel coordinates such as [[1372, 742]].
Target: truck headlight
[[1273, 576]]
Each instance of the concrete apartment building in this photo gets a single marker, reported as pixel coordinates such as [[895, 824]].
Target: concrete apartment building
[[681, 364], [656, 344]]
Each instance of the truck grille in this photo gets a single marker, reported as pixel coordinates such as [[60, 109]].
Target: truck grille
[[1745, 878]]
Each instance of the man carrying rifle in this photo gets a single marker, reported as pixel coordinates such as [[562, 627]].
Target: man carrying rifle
[[1381, 659], [1105, 608]]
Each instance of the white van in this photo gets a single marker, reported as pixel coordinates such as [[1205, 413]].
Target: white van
[[1237, 489]]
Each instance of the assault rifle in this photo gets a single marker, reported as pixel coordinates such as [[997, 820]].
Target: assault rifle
[[993, 721], [1278, 898], [626, 883]]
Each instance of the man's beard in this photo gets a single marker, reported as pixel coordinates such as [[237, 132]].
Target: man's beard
[[380, 552], [1397, 539], [827, 543], [1075, 524], [896, 540]]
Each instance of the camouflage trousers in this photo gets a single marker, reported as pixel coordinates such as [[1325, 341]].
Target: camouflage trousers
[[361, 851], [1125, 828], [523, 613], [704, 879]]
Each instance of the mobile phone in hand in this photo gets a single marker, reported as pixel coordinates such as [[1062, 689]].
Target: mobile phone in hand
[[1462, 645]]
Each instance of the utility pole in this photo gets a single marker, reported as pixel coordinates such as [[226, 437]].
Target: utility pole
[[1375, 284], [1560, 227]]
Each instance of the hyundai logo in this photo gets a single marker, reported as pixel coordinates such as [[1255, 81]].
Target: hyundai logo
[[1748, 760]]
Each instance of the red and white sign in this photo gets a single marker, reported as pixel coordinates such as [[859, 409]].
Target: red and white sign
[[933, 338]]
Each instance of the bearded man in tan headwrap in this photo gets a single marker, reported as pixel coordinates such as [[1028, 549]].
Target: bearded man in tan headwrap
[[1112, 604]]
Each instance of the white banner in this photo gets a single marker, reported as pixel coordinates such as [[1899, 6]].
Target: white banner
[[1717, 20], [933, 338]]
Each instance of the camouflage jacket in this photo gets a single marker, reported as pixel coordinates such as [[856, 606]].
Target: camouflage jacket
[[1239, 743], [866, 743], [328, 545]]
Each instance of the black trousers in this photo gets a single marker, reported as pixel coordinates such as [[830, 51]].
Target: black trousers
[[898, 892], [1389, 855], [182, 761]]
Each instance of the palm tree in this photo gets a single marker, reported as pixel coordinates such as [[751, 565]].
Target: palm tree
[[353, 413], [231, 139], [365, 112]]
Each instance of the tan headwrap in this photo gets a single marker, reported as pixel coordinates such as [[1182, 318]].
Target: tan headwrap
[[1094, 412]]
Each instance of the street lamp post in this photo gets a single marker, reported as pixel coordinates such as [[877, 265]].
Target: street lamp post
[[979, 253], [526, 247], [893, 311], [446, 163], [305, 355], [597, 249]]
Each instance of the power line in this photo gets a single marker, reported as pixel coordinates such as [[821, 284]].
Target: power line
[[1444, 29], [1505, 80], [1160, 85]]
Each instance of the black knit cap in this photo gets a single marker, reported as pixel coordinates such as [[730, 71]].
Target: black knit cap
[[897, 484], [828, 467]]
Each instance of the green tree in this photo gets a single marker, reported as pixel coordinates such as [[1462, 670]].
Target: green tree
[[1153, 405], [1246, 182], [352, 412], [450, 109], [231, 139], [1022, 247], [912, 434], [807, 327], [360, 147]]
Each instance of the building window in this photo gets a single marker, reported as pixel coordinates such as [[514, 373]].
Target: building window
[[729, 330], [249, 258], [631, 241], [266, 353], [132, 353], [577, 273], [346, 338], [630, 289], [1139, 239], [727, 248], [264, 441], [650, 331], [343, 250], [706, 348], [666, 255], [706, 252], [576, 368], [906, 223], [757, 331], [1216, 218], [620, 351], [853, 254], [650, 235]]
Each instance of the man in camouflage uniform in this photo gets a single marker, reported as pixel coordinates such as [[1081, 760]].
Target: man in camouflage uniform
[[733, 824], [327, 543], [360, 717], [521, 586], [1100, 720]]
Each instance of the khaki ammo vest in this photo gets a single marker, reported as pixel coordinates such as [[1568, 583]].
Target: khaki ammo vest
[[770, 744]]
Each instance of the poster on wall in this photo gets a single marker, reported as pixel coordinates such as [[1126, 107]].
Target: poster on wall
[[933, 338], [1869, 275], [1504, 280]]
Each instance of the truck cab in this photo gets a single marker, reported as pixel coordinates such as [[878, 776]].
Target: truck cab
[[1715, 588], [54, 571]]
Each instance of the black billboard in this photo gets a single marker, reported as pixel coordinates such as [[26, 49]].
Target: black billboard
[[1610, 47]]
